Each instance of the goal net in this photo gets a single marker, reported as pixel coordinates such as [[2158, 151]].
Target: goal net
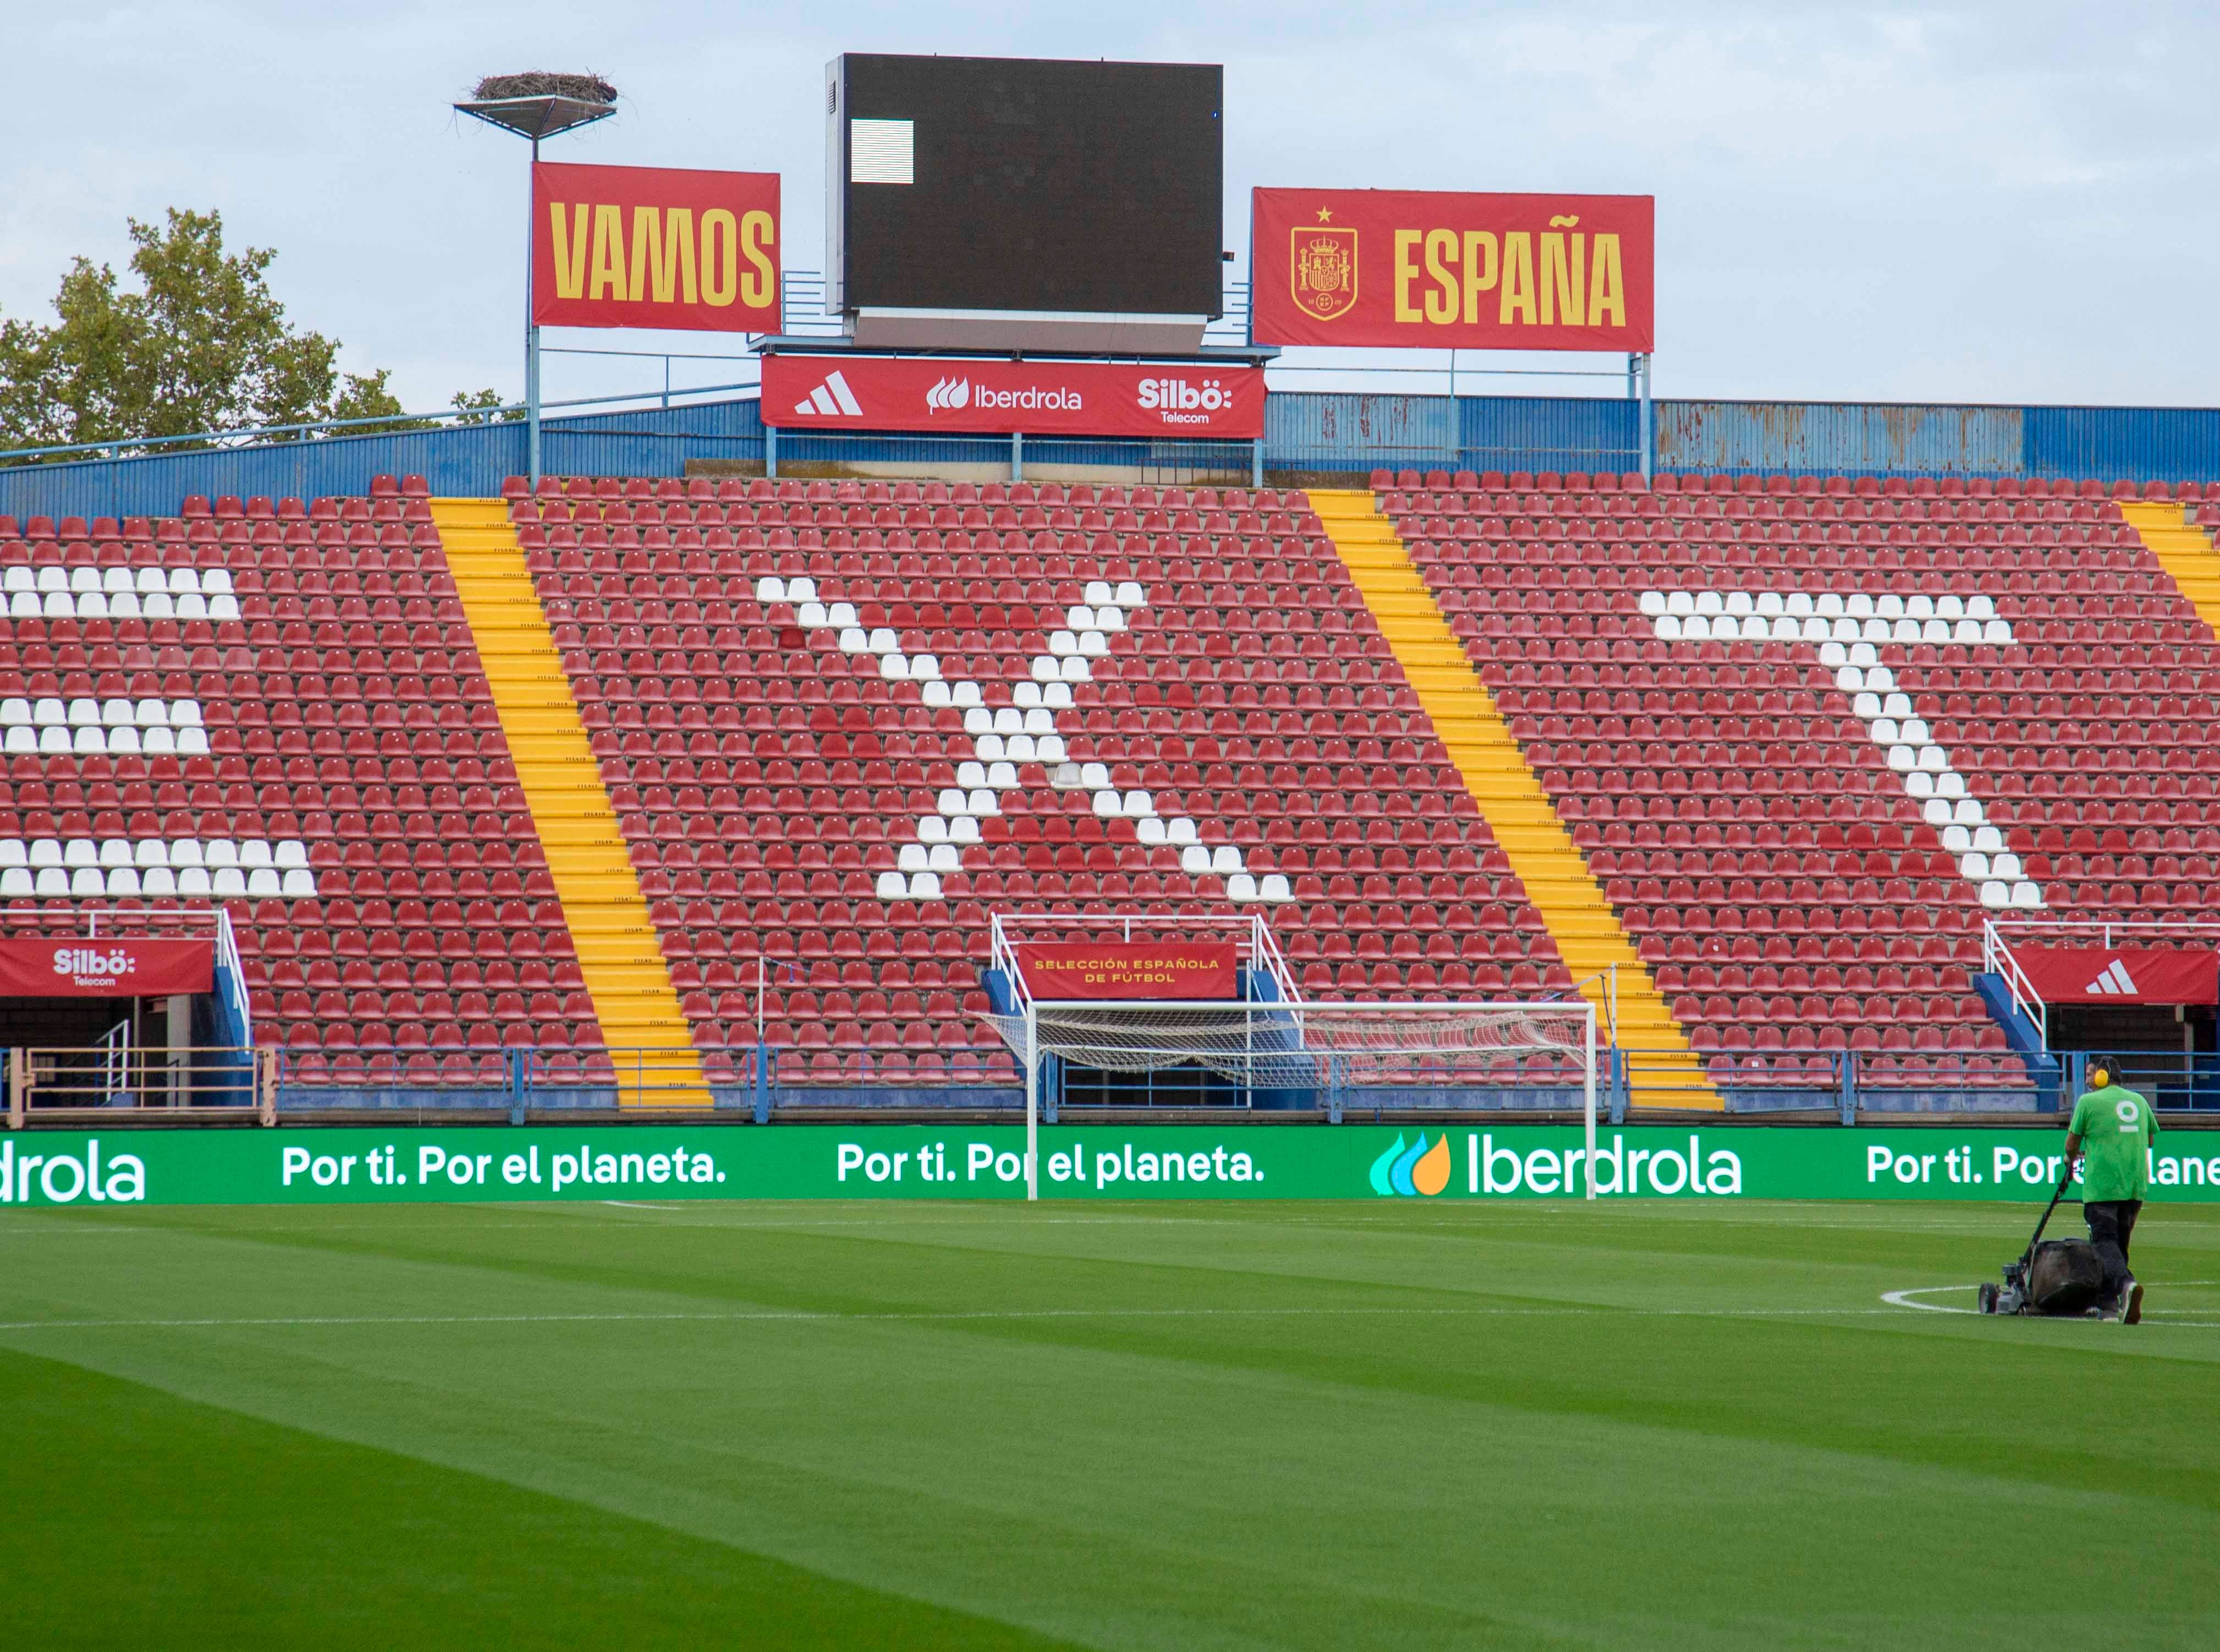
[[1342, 1048]]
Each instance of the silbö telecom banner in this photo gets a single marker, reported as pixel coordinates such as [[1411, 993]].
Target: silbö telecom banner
[[366, 1164]]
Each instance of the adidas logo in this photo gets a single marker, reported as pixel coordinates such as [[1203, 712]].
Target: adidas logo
[[831, 400], [2116, 980], [949, 394]]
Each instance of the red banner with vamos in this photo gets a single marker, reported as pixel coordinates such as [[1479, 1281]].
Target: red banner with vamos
[[1439, 270], [105, 968], [1068, 398], [1066, 969], [654, 246], [2100, 975]]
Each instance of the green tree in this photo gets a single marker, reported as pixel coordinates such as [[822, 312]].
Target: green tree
[[202, 344], [480, 407]]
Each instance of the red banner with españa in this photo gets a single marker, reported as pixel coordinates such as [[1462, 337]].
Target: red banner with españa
[[654, 246], [1440, 271], [1067, 970]]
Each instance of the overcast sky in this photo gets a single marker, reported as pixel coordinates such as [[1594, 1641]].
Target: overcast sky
[[1961, 203]]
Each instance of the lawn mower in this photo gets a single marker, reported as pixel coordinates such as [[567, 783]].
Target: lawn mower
[[2058, 1278]]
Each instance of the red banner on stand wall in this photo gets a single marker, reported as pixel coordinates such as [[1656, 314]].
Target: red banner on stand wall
[[656, 248], [105, 968], [1438, 271], [1063, 969], [1065, 398], [2099, 974]]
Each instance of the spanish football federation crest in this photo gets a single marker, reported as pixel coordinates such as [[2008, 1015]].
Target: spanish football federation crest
[[1322, 270]]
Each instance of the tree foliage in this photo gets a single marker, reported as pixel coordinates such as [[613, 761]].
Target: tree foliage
[[202, 345], [480, 407]]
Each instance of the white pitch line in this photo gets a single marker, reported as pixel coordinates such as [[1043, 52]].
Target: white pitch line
[[1903, 1298], [1895, 1300], [930, 1317]]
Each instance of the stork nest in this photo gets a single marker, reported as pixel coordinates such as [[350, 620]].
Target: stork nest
[[586, 89]]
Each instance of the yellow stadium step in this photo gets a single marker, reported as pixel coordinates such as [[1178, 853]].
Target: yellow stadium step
[[620, 955], [1589, 937], [2183, 549]]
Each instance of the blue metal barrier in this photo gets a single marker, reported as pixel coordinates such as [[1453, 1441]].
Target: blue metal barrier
[[765, 1081]]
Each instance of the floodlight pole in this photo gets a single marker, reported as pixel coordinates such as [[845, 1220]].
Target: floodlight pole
[[531, 337], [533, 117]]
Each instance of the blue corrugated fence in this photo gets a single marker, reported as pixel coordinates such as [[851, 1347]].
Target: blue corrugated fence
[[1313, 430]]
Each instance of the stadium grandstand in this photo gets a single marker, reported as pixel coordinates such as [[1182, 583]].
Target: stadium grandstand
[[739, 768]]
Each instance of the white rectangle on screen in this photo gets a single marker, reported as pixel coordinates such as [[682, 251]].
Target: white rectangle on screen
[[882, 151]]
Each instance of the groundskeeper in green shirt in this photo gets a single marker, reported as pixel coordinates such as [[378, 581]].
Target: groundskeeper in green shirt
[[2117, 1128]]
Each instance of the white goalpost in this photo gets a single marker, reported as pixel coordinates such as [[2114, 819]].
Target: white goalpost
[[1290, 1052]]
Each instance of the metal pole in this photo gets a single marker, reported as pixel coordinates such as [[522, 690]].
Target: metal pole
[[1256, 463], [531, 334], [1590, 1098], [1033, 1102], [770, 451], [1648, 423], [1017, 456]]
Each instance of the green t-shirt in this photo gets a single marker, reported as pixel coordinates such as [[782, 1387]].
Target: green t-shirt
[[2117, 1128]]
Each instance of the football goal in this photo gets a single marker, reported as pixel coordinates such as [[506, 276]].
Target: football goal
[[1263, 1045]]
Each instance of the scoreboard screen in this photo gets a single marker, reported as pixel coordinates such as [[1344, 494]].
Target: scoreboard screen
[[1024, 184]]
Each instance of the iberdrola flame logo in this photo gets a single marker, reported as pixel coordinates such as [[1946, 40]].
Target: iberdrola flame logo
[[1413, 1170]]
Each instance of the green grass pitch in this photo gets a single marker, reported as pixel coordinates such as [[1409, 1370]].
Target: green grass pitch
[[1393, 1425]]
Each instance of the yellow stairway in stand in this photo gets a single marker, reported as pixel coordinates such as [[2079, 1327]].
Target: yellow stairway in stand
[[2184, 549], [1666, 1073], [619, 954]]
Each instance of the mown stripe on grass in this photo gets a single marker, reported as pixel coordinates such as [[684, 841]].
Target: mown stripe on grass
[[139, 1518]]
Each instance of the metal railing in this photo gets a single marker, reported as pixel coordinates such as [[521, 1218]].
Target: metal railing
[[383, 424], [758, 1078], [97, 1082], [1998, 959], [92, 1083]]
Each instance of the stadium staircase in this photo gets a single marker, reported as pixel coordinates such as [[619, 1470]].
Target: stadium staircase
[[2181, 547], [618, 952], [1516, 809]]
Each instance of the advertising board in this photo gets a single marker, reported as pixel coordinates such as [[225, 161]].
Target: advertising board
[[655, 246], [1048, 397], [411, 1164], [1439, 270], [108, 967], [1113, 969]]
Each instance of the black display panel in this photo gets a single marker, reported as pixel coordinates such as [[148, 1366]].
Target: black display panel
[[1033, 184]]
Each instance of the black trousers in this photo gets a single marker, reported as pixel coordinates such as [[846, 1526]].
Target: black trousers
[[2112, 1224]]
